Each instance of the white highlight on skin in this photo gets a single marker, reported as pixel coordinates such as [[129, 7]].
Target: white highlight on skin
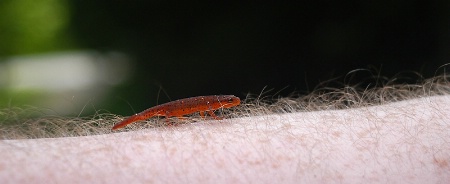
[[399, 142]]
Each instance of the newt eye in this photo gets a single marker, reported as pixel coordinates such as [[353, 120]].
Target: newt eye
[[230, 100]]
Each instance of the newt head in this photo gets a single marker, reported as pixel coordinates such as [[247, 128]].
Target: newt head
[[228, 101]]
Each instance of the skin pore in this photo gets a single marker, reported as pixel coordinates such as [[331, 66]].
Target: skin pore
[[392, 134]]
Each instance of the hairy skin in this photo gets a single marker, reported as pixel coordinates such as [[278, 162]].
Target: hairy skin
[[389, 135], [402, 142]]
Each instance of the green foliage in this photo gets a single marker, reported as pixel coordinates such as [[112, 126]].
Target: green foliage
[[28, 26]]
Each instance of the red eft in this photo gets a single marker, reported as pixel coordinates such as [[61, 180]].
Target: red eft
[[185, 106]]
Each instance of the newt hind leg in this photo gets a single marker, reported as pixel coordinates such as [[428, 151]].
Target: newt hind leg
[[176, 123]]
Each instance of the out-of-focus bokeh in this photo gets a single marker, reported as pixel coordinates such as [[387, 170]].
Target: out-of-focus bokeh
[[76, 57]]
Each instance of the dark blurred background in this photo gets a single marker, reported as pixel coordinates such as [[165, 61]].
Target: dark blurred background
[[191, 48]]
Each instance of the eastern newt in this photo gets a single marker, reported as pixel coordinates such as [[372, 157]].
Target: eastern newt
[[185, 106]]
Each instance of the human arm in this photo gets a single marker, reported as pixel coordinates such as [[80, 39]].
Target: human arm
[[398, 142]]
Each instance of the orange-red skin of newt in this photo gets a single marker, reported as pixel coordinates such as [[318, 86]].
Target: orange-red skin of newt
[[185, 106]]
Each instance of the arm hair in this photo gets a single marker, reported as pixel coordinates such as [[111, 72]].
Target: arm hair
[[407, 141]]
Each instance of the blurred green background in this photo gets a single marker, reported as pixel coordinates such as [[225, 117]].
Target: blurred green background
[[76, 57]]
